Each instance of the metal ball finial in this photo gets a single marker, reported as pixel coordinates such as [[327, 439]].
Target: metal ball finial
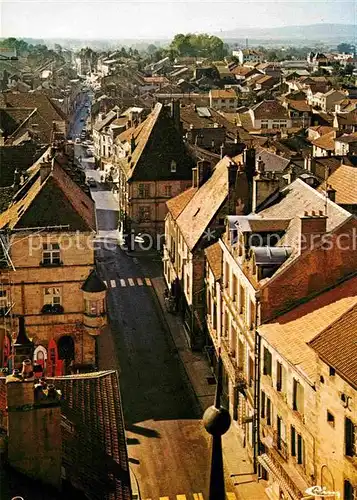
[[216, 420]]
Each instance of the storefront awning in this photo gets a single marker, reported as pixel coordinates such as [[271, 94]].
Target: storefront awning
[[275, 471]]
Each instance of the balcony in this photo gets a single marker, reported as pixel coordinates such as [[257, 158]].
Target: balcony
[[234, 371]]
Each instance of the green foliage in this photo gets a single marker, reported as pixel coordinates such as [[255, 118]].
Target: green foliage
[[345, 47], [201, 45]]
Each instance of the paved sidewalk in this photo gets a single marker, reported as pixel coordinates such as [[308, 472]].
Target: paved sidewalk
[[199, 372]]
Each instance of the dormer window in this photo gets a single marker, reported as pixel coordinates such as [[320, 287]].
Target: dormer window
[[51, 254], [173, 166]]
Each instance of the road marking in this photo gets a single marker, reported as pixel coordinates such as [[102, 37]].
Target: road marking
[[113, 284], [105, 283], [198, 496], [140, 281], [164, 498], [231, 496], [181, 497], [131, 282], [148, 283], [122, 282]]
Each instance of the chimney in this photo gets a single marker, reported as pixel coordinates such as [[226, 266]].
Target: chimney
[[195, 177], [23, 347], [312, 227], [175, 115], [46, 168], [249, 163], [204, 171], [34, 429], [132, 144], [331, 193], [263, 187], [232, 174]]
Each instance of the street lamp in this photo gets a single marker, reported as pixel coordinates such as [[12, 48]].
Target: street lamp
[[217, 421]]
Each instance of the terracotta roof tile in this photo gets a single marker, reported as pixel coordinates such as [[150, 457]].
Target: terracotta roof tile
[[205, 203], [290, 333], [269, 110], [344, 181], [179, 202], [326, 141], [223, 94], [337, 346], [214, 254], [95, 455]]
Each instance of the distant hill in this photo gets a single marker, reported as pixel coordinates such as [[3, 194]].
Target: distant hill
[[317, 32]]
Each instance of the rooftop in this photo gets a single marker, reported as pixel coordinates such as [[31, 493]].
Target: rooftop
[[214, 255], [269, 110], [290, 333]]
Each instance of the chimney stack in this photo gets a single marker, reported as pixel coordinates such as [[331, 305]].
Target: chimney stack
[[132, 144], [263, 187], [331, 193], [46, 168], [312, 227]]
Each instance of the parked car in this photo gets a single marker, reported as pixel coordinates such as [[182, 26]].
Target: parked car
[[91, 182], [82, 120], [77, 141]]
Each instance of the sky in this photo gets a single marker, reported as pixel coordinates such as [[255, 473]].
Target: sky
[[122, 19]]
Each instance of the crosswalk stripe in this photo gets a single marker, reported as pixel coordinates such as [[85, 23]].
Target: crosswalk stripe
[[148, 282], [231, 496], [164, 498], [122, 282], [113, 284], [131, 282], [198, 496], [140, 281], [181, 497], [105, 283]]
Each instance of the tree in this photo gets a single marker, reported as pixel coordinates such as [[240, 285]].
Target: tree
[[345, 48], [151, 49], [198, 45]]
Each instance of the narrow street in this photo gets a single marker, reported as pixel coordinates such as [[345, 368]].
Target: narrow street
[[168, 446]]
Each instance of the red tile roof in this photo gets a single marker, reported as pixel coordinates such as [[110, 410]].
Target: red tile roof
[[214, 256], [269, 110], [290, 333], [337, 346], [179, 202], [344, 181]]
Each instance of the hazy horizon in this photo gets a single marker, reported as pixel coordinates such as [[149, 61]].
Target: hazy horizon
[[117, 19]]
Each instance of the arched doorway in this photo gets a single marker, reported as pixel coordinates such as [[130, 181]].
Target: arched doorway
[[66, 351]]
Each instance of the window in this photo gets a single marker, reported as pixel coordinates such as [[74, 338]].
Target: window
[[144, 190], [251, 371], [252, 315], [234, 293], [332, 372], [173, 166], [281, 434], [293, 441], [144, 213], [269, 412], [242, 301], [330, 418], [300, 450], [3, 299], [264, 124], [168, 190], [349, 492], [51, 254], [94, 307], [226, 275], [280, 377], [298, 397], [350, 437], [52, 295], [262, 404], [267, 366]]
